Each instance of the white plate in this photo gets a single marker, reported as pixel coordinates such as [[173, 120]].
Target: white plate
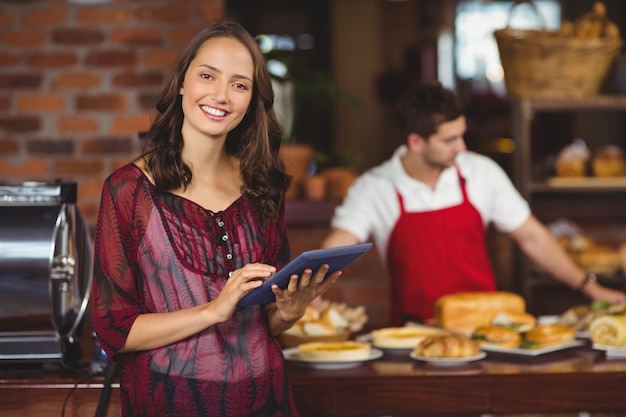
[[448, 361], [292, 354], [611, 351], [531, 352]]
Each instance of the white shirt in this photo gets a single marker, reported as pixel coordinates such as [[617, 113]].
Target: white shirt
[[371, 207]]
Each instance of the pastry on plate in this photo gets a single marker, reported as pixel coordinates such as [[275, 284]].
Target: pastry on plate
[[609, 330], [335, 351], [446, 345], [406, 337]]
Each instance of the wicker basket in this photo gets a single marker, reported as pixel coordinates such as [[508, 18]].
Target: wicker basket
[[539, 63]]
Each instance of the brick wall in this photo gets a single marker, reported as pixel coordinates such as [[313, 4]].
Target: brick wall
[[77, 84]]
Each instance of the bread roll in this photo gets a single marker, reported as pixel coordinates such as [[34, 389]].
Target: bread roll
[[609, 161], [448, 345], [546, 335], [609, 330], [406, 337], [317, 328], [499, 336], [464, 312], [335, 351]]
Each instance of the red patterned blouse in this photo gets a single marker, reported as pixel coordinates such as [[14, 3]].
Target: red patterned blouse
[[157, 252]]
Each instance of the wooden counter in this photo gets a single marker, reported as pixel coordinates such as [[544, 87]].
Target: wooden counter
[[559, 383]]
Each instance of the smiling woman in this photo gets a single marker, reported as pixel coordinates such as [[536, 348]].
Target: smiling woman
[[190, 228]]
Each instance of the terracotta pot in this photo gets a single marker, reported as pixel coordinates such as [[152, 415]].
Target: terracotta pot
[[339, 181], [315, 188], [296, 158]]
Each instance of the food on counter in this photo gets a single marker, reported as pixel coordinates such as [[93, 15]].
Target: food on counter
[[546, 335], [337, 351], [609, 161], [324, 322], [497, 335], [579, 317], [406, 337], [609, 330], [464, 312], [519, 322], [446, 345]]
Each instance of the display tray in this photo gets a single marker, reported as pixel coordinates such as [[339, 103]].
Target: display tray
[[611, 351], [530, 352], [292, 354]]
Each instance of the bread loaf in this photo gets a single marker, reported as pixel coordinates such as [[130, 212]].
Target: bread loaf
[[464, 312]]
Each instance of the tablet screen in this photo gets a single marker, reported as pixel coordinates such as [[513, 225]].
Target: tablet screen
[[337, 258]]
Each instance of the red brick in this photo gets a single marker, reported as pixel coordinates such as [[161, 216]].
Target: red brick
[[104, 15], [111, 145], [90, 188], [212, 13], [183, 35], [77, 80], [9, 147], [51, 59], [20, 124], [155, 58], [77, 124], [74, 168], [5, 103], [8, 59], [118, 163], [21, 81], [6, 19], [40, 103], [77, 36], [138, 79], [89, 210], [45, 16], [116, 102], [23, 38], [138, 36], [171, 14], [111, 58], [33, 168], [131, 124]]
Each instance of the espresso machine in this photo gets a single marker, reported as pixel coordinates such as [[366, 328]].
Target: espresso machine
[[45, 272]]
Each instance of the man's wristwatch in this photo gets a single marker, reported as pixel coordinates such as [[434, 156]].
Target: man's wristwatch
[[589, 278]]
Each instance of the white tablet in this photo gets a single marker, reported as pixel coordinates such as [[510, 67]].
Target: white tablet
[[337, 258]]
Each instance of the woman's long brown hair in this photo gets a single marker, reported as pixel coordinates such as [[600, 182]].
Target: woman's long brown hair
[[255, 141]]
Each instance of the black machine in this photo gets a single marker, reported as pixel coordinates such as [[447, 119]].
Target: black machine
[[45, 272]]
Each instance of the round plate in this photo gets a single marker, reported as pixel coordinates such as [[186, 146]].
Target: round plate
[[448, 361], [611, 351], [292, 354]]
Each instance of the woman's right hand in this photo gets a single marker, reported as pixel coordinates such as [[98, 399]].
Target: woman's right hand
[[240, 283]]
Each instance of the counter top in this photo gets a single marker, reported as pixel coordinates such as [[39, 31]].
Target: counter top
[[572, 380]]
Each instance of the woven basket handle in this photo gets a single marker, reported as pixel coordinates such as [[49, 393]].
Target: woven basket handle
[[532, 5]]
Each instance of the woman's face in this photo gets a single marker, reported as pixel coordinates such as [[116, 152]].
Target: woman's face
[[217, 88]]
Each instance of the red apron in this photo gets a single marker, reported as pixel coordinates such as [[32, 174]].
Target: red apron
[[435, 253]]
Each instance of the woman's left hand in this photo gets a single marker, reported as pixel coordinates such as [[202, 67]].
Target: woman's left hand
[[291, 302]]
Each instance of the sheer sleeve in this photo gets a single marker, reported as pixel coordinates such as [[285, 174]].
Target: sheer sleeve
[[115, 294]]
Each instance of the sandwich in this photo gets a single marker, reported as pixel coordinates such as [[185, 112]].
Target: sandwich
[[498, 336]]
